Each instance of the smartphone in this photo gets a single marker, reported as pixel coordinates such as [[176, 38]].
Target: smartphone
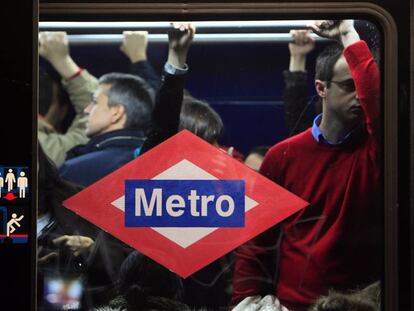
[[62, 293]]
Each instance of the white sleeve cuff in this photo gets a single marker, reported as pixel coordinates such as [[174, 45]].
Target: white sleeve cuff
[[171, 69]]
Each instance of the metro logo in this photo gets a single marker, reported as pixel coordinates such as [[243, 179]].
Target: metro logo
[[184, 203], [184, 250]]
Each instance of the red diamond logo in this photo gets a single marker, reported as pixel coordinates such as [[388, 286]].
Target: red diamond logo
[[184, 250]]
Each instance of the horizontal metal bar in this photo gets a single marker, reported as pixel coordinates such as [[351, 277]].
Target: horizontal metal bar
[[198, 24], [198, 38], [162, 27]]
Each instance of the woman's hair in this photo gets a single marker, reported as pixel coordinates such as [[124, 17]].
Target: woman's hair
[[52, 92], [201, 119]]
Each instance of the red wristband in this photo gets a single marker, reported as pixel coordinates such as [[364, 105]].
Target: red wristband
[[77, 73]]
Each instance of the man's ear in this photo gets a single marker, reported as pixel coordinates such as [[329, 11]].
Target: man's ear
[[320, 87], [118, 112]]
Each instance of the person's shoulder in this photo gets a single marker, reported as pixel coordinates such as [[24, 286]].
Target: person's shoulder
[[92, 166], [297, 141], [91, 160]]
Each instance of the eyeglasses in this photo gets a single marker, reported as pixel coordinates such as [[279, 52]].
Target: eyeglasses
[[347, 85]]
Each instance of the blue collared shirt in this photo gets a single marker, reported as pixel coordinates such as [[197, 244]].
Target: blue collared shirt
[[318, 135]]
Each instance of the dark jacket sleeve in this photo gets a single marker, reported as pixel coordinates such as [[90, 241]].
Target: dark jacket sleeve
[[145, 70], [166, 114], [297, 114]]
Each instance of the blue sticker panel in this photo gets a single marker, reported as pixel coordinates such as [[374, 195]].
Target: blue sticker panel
[[10, 176], [184, 203]]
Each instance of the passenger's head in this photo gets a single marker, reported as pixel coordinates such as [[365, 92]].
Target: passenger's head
[[143, 283], [54, 103], [47, 93], [325, 62], [366, 299], [255, 157], [122, 101], [335, 85], [200, 119]]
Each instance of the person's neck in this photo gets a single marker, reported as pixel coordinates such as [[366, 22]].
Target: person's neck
[[333, 129]]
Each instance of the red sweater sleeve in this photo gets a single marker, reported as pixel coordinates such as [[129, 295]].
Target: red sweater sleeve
[[366, 75]]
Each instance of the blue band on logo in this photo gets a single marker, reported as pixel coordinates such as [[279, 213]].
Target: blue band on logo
[[184, 203]]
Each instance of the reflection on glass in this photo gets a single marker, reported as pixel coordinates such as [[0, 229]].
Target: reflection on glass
[[242, 87]]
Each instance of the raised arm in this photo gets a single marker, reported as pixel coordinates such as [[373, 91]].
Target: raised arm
[[80, 85], [295, 95], [301, 46], [134, 46], [166, 114], [364, 70], [54, 47], [342, 31]]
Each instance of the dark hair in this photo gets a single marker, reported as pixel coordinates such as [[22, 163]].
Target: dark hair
[[201, 119], [143, 282], [134, 94], [261, 150], [45, 91], [153, 279], [325, 62], [366, 299], [50, 92]]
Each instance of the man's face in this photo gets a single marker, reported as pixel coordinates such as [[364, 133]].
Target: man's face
[[341, 98], [100, 114]]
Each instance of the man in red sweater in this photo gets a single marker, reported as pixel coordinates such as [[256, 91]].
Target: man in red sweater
[[333, 243]]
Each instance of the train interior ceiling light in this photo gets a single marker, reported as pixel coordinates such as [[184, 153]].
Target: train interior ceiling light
[[207, 31]]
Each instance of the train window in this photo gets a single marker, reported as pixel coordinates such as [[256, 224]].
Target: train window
[[154, 133]]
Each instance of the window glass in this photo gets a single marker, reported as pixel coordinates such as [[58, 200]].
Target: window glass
[[209, 165]]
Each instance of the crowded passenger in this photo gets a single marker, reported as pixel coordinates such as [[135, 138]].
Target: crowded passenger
[[300, 108], [333, 166], [118, 117], [79, 84], [146, 285], [102, 250]]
